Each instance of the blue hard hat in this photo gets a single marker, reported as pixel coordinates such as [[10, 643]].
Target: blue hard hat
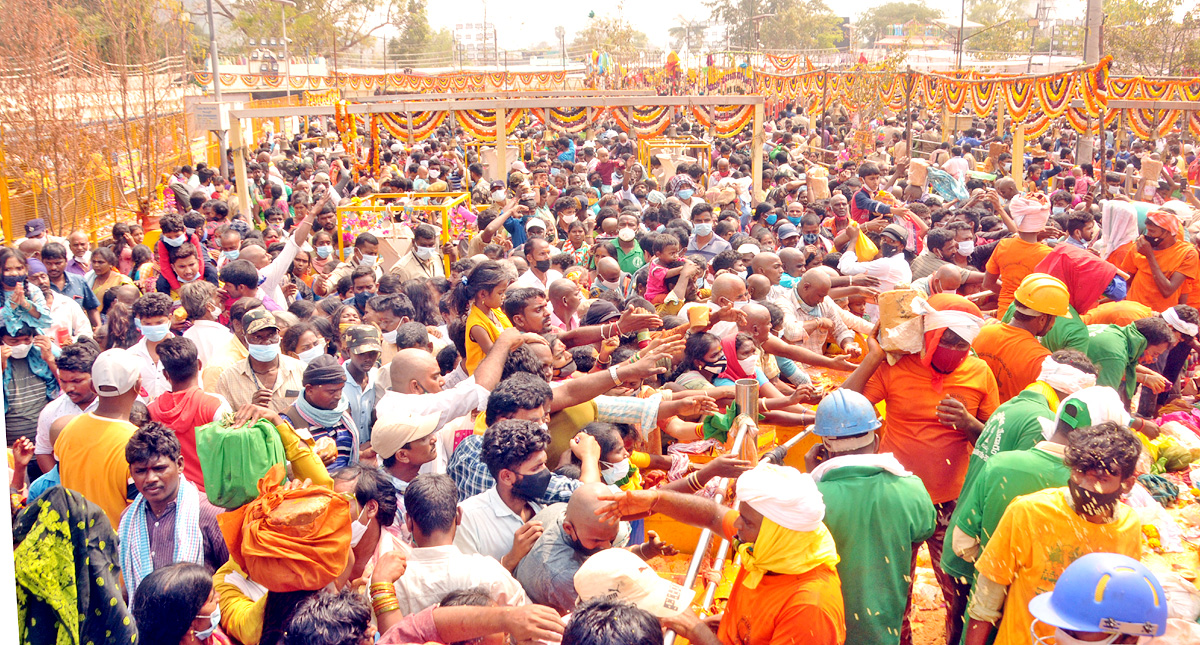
[[1105, 592], [845, 413]]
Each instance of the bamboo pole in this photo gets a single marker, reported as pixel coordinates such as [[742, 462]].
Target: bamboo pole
[[239, 165], [1018, 155]]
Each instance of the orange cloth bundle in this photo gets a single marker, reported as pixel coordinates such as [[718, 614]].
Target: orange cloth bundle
[[289, 540]]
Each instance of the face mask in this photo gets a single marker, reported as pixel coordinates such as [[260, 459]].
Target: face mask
[[264, 353], [569, 219], [215, 312], [1154, 241], [390, 336], [175, 241], [232, 255], [565, 370], [433, 174], [324, 251], [703, 230], [810, 238], [771, 219], [190, 231], [577, 546], [367, 261], [715, 368], [498, 196], [685, 194], [748, 364], [214, 619], [1058, 210], [531, 487], [945, 361], [423, 252], [357, 529], [1089, 502], [20, 351], [311, 353], [154, 333], [966, 248], [616, 472], [614, 285], [12, 281], [542, 266], [626, 234], [887, 250], [794, 220]]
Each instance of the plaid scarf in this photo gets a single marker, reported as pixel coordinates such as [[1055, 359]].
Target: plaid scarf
[[135, 537]]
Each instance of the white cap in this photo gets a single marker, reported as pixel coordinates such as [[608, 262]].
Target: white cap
[[390, 435], [748, 248], [535, 222], [617, 574], [115, 371]]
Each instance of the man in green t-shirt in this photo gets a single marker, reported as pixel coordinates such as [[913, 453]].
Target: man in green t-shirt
[[878, 514], [1117, 351], [1012, 473]]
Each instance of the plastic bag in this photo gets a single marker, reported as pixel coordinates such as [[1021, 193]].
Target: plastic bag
[[864, 249], [1183, 599], [1179, 632]]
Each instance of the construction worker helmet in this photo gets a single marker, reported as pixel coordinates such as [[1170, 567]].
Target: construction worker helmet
[[845, 413], [1041, 293], [1104, 592]]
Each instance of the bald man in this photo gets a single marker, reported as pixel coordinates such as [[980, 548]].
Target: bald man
[[417, 382], [821, 320], [946, 279], [759, 288], [272, 271], [1007, 188], [793, 261], [757, 322], [571, 533], [564, 298]]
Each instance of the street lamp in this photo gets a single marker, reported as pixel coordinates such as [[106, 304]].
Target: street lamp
[[1032, 23], [283, 22]]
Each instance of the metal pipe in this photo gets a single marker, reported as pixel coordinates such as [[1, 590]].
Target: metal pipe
[[710, 591], [706, 535]]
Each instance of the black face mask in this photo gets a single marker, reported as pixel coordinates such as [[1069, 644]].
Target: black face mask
[[1088, 502], [578, 546], [359, 301], [810, 238], [565, 370], [542, 265], [11, 281], [532, 487], [887, 251], [1154, 241]]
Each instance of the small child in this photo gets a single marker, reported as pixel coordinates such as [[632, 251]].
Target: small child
[[665, 265]]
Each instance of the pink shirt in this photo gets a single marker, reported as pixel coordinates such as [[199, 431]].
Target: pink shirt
[[656, 280]]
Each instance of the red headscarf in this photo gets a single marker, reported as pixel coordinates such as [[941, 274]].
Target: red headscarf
[[1085, 275], [733, 369], [946, 302]]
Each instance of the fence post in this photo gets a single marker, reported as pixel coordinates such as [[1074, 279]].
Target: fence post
[[5, 208]]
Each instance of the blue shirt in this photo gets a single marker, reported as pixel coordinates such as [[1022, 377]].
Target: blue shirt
[[362, 403], [76, 288], [568, 155], [758, 376]]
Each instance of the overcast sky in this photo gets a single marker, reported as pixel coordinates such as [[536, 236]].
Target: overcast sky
[[524, 23]]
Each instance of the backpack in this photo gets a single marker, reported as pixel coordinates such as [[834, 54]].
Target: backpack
[[233, 459]]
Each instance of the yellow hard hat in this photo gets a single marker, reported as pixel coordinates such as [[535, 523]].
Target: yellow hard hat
[[1043, 294]]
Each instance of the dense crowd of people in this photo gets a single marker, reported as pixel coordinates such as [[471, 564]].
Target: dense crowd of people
[[261, 428]]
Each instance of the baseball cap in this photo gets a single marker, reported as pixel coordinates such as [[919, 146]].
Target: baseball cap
[[896, 232], [115, 371], [35, 226], [600, 311], [390, 435], [617, 574], [535, 222], [748, 249], [787, 230], [363, 338], [321, 177], [258, 319]]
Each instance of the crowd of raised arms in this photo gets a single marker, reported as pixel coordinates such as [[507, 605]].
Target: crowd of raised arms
[[265, 427]]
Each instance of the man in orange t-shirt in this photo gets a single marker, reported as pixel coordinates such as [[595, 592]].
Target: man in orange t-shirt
[[1118, 312], [1015, 257], [937, 405], [1162, 266], [788, 590], [1012, 350]]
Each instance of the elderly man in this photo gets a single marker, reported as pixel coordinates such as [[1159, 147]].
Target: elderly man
[[945, 279], [80, 261], [565, 297], [324, 412], [820, 316], [788, 590], [937, 405]]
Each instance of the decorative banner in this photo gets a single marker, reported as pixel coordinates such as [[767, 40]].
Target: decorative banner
[[423, 124], [1143, 122], [321, 97], [730, 120], [481, 124], [442, 83]]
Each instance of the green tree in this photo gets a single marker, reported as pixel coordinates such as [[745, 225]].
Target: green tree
[[322, 27], [616, 36], [1004, 32], [686, 34], [792, 24], [874, 22], [1144, 37], [413, 25]]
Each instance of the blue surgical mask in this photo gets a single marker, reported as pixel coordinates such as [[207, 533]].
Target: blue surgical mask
[[324, 251], [214, 620], [703, 230], [771, 219], [684, 193], [232, 255], [794, 220], [263, 353], [154, 333]]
